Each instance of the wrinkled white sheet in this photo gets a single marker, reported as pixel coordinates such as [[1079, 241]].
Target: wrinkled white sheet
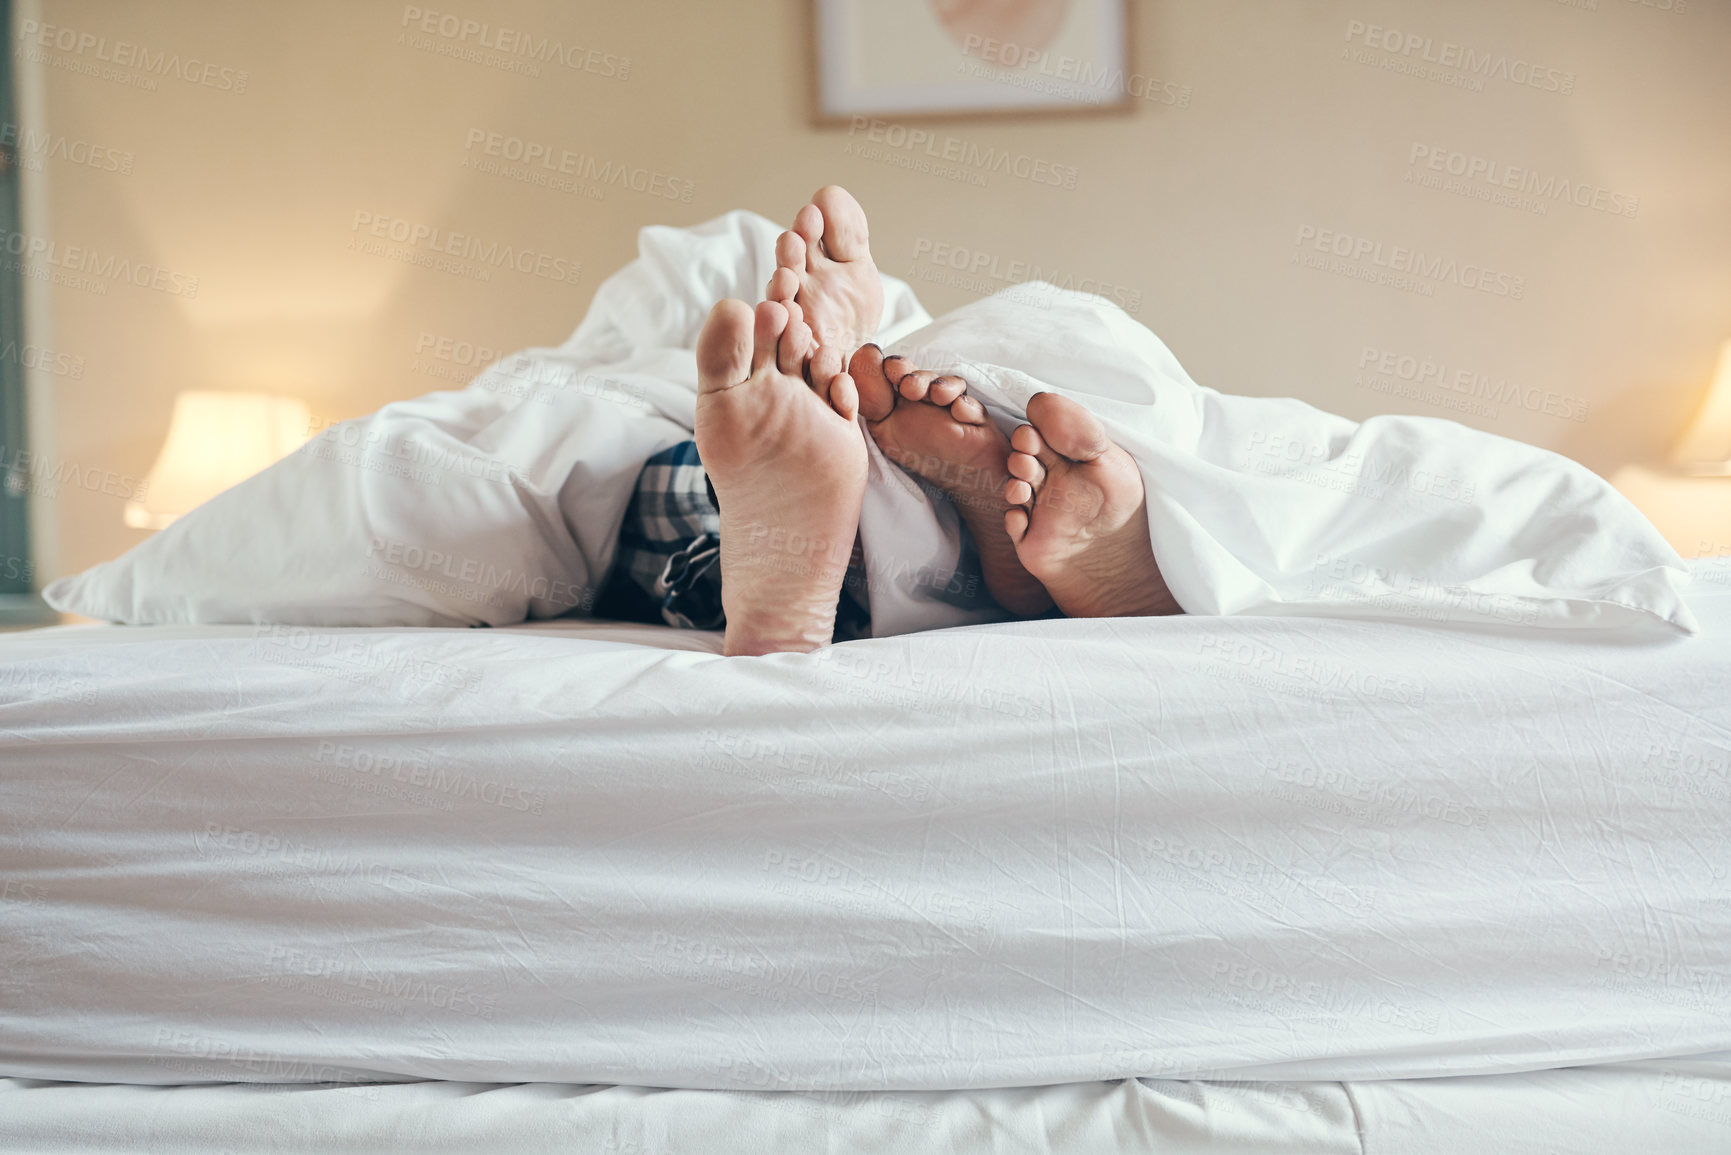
[[1015, 854], [1678, 1109]]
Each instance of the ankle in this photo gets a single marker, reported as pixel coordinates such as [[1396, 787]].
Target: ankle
[[770, 627], [780, 605], [745, 641]]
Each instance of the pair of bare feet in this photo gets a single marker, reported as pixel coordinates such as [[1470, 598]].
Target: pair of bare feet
[[1056, 510]]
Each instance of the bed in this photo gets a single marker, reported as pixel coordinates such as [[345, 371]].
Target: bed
[[1198, 883], [1677, 1109]]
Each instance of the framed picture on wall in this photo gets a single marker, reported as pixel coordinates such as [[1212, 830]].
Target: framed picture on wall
[[902, 59]]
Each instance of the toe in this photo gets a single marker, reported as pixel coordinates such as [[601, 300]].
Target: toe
[[877, 397], [968, 411], [1018, 492], [1016, 523], [808, 225], [1067, 427], [825, 364], [843, 396], [767, 327], [844, 224], [1025, 467], [783, 285], [724, 348], [794, 347], [897, 367], [914, 386], [790, 251], [946, 389], [1027, 440]]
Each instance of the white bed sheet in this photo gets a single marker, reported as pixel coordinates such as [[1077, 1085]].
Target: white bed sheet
[[1008, 855], [1643, 1107]]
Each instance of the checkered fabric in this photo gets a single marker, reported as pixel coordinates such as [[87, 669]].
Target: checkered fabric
[[670, 548], [670, 542]]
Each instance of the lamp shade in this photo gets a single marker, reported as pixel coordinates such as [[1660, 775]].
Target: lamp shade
[[1706, 445], [216, 440]]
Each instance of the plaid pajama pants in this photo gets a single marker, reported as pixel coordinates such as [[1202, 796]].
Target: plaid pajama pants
[[670, 543], [670, 552], [668, 567]]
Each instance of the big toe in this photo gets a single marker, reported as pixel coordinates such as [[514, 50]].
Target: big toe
[[844, 224], [1067, 427], [877, 397], [724, 346]]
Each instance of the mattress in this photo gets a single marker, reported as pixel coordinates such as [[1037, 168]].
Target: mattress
[[1019, 855], [1677, 1109]]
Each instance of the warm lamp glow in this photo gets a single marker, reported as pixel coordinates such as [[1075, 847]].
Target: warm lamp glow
[[215, 441], [1706, 446]]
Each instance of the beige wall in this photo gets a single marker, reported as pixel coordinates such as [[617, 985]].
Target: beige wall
[[1188, 212]]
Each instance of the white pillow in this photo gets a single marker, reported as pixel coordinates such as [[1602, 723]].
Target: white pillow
[[1270, 506]]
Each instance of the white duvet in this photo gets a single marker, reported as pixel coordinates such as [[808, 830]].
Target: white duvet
[[503, 501], [1012, 854]]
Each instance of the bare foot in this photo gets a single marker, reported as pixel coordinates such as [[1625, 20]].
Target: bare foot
[[1079, 520], [789, 470], [824, 263], [930, 427]]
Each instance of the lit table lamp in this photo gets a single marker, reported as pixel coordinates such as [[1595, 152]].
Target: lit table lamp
[[1690, 502], [1706, 447], [215, 441]]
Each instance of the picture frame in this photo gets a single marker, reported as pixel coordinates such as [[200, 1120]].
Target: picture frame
[[927, 59]]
